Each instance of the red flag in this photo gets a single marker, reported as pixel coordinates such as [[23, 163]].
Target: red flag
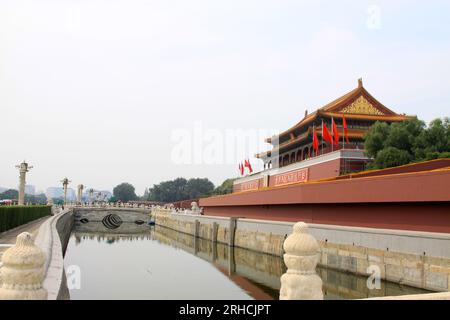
[[326, 134], [344, 125], [249, 166], [315, 142], [335, 132], [241, 168]]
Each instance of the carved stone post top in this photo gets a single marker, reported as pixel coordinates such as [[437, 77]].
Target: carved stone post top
[[24, 166], [301, 242], [23, 271], [24, 253], [301, 281]]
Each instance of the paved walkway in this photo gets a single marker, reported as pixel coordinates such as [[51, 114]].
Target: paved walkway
[[8, 238]]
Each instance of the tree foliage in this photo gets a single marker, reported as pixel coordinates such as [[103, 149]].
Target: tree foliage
[[408, 141], [180, 189], [9, 194], [113, 199], [29, 198], [124, 192], [391, 157], [225, 188], [36, 199]]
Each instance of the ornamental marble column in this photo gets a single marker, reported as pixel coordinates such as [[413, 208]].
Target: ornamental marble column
[[80, 193], [23, 169], [301, 282], [91, 195], [65, 183]]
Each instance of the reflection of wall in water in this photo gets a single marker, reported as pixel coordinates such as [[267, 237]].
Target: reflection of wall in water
[[263, 270], [339, 285], [266, 270]]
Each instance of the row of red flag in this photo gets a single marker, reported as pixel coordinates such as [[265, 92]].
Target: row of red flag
[[326, 135], [244, 165], [332, 139]]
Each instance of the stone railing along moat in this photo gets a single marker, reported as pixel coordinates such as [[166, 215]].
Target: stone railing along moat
[[41, 273]]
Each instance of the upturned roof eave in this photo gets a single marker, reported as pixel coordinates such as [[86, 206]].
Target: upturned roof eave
[[336, 105]]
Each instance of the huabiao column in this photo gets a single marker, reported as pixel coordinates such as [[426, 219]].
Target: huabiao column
[[65, 183], [23, 169], [80, 193]]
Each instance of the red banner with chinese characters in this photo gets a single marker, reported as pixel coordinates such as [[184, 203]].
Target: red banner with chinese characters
[[249, 185], [291, 177]]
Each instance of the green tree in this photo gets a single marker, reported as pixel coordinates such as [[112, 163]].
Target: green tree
[[124, 192], [29, 198], [180, 189], [375, 138], [58, 201], [196, 188], [408, 141], [434, 141], [36, 199], [225, 188], [9, 194], [391, 157], [403, 135]]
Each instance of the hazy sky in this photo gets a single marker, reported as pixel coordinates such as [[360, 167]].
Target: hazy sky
[[109, 91]]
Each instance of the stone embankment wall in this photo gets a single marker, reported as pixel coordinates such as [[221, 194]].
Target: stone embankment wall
[[126, 214], [418, 259], [267, 269], [52, 238]]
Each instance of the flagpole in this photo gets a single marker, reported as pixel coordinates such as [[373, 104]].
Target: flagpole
[[343, 134], [322, 136], [332, 143], [314, 131]]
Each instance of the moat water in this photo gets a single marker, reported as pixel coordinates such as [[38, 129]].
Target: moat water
[[152, 262]]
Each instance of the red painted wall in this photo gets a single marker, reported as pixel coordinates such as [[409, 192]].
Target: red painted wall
[[430, 217], [410, 201], [315, 172]]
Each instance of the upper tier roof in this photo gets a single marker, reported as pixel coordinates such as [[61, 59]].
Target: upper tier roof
[[358, 103]]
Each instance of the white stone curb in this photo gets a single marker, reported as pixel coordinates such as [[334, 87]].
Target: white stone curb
[[49, 241]]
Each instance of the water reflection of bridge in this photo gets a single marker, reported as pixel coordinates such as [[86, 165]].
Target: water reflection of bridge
[[256, 273]]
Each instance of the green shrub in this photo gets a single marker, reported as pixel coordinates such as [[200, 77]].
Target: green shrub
[[14, 216]]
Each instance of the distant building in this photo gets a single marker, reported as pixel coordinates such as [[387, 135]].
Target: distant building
[[54, 192], [71, 194], [98, 195], [107, 194], [30, 189], [58, 192]]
